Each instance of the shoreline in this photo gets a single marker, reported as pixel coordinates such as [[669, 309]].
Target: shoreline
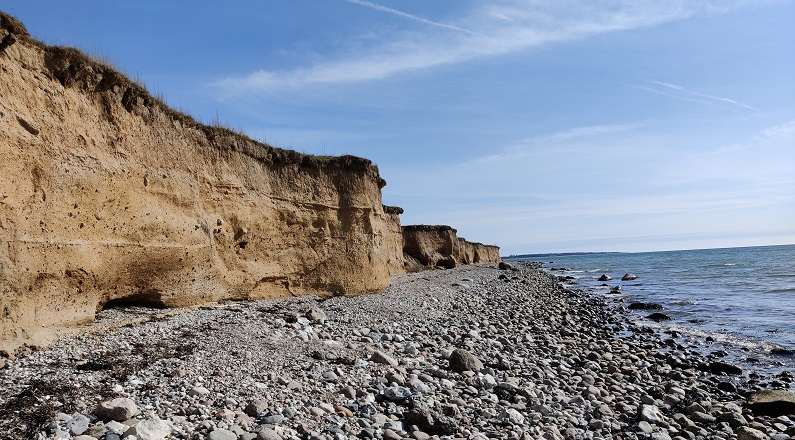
[[552, 362]]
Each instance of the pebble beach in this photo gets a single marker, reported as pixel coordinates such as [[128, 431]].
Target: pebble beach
[[474, 352]]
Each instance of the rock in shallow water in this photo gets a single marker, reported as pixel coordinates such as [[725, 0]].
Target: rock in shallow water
[[644, 306], [658, 317]]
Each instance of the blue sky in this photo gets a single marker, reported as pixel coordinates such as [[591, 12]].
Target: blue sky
[[540, 125]]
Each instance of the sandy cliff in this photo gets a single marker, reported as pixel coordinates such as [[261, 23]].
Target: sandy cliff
[[106, 194], [429, 246]]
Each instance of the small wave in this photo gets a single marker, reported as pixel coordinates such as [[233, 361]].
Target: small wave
[[683, 302], [785, 290], [729, 264], [725, 338]]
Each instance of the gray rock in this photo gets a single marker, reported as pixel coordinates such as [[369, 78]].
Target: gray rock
[[504, 266], [316, 315], [78, 424], [772, 403], [221, 434], [383, 358], [462, 360], [116, 427], [746, 433], [199, 391], [651, 414], [256, 407], [119, 409], [151, 429], [268, 434], [511, 416]]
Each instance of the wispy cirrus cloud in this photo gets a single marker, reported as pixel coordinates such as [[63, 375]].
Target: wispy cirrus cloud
[[406, 15], [497, 28], [683, 93], [568, 139]]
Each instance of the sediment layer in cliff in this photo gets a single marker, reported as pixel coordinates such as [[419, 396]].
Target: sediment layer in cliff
[[107, 194], [431, 246]]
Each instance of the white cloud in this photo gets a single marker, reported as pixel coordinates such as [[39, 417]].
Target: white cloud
[[565, 139], [677, 91], [497, 28], [412, 17]]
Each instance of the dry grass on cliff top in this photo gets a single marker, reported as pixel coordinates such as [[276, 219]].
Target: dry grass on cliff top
[[76, 69]]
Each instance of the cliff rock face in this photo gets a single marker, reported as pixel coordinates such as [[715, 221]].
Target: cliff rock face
[[108, 195], [429, 246]]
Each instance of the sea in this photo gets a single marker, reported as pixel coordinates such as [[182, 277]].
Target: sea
[[738, 302]]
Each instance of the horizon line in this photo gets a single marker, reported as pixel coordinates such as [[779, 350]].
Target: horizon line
[[645, 252]]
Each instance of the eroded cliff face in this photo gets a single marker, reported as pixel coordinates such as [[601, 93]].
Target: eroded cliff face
[[106, 194], [430, 246]]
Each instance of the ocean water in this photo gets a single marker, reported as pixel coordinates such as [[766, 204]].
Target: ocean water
[[739, 300]]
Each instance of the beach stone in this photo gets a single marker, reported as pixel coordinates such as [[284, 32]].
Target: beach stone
[[629, 277], [116, 427], [746, 433], [727, 387], [199, 391], [772, 403], [222, 434], [383, 358], [78, 424], [651, 414], [511, 416], [151, 429], [462, 360], [256, 407], [701, 417], [504, 266], [391, 435], [604, 277], [645, 427], [268, 434], [119, 409], [316, 315]]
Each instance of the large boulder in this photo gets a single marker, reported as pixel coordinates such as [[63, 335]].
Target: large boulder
[[605, 277], [629, 277], [772, 403]]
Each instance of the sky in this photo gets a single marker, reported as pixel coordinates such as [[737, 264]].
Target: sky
[[538, 125]]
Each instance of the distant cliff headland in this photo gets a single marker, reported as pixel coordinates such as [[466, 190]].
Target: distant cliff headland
[[108, 195]]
